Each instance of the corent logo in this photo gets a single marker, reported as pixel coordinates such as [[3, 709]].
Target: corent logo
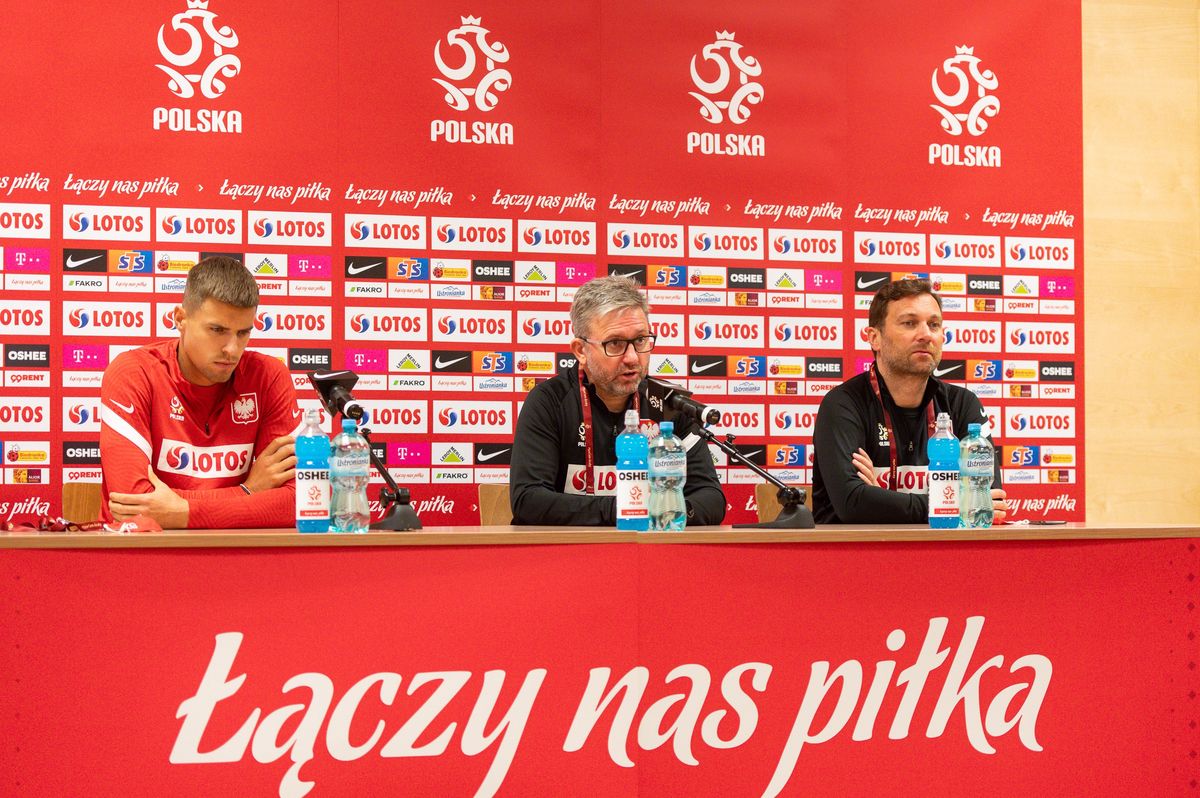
[[197, 33], [724, 99]]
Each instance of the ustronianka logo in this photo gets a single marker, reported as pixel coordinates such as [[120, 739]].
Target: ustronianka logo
[[963, 106], [464, 88], [196, 32], [724, 99]]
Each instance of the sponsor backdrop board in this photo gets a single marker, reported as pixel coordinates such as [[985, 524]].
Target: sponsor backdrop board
[[423, 213]]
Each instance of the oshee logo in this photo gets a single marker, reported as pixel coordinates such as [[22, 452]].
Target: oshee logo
[[203, 462], [957, 105], [19, 220], [379, 324], [106, 223], [905, 248], [1048, 338], [381, 231], [1039, 422], [576, 238], [293, 321], [490, 418], [197, 35], [818, 246], [1046, 253], [727, 330], [806, 332], [482, 326], [198, 225], [726, 242], [296, 229], [106, 318], [645, 239], [543, 327]]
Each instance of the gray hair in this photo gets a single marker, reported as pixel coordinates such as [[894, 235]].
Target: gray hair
[[603, 295], [222, 278]]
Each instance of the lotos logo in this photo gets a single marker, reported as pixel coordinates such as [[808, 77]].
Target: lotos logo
[[471, 40], [115, 318], [79, 414], [579, 481], [200, 27], [1017, 252], [783, 420], [1043, 422], [470, 417], [79, 222], [702, 243], [867, 247], [178, 458], [263, 322], [957, 106], [79, 318], [531, 327], [808, 332], [720, 330], [782, 244], [621, 239], [532, 236], [263, 228], [171, 225], [447, 326], [725, 58], [168, 320], [445, 234], [360, 230], [703, 331], [360, 323], [448, 418]]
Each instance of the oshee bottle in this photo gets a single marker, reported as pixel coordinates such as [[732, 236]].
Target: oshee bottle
[[942, 475], [976, 459], [349, 471], [632, 488], [668, 473], [312, 477]]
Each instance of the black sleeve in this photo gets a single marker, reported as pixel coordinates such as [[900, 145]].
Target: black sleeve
[[702, 491], [533, 473], [839, 431]]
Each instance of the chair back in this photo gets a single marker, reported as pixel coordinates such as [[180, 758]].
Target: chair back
[[494, 507], [81, 502]]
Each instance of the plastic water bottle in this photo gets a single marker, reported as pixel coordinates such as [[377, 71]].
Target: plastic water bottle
[[312, 476], [349, 471], [943, 475], [632, 487], [668, 473], [976, 459]]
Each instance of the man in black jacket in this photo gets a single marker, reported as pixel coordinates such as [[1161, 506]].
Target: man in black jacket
[[869, 460], [573, 419]]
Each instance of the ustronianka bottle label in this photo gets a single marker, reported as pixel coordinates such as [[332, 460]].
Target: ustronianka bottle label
[[943, 493]]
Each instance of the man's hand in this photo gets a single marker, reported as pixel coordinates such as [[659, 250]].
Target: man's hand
[[866, 471], [162, 504], [999, 505], [274, 467]]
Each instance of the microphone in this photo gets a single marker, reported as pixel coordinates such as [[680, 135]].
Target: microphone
[[679, 399], [334, 390]]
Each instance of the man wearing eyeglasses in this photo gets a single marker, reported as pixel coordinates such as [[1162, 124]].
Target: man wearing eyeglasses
[[564, 452]]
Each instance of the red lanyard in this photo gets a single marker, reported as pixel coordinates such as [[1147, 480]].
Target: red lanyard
[[894, 480], [589, 455]]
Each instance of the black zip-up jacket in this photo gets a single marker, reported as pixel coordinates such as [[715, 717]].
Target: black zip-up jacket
[[548, 450], [850, 418]]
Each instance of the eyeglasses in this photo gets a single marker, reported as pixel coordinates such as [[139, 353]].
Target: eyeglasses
[[616, 347]]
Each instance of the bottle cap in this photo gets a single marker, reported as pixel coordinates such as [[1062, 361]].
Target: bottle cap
[[349, 426], [973, 428], [631, 418], [666, 428]]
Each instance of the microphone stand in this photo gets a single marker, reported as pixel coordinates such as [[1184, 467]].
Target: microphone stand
[[792, 513], [398, 514]]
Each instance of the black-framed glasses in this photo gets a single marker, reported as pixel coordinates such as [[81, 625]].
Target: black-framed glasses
[[616, 347]]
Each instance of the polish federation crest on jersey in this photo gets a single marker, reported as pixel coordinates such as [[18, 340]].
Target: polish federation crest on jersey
[[462, 87], [245, 409], [962, 90], [735, 95], [197, 31], [176, 409]]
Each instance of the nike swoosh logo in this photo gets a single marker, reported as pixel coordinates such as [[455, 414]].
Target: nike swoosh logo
[[983, 412], [944, 372], [868, 283], [126, 408], [635, 275], [705, 367], [297, 413], [483, 458], [754, 453], [353, 270], [441, 364], [75, 264]]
